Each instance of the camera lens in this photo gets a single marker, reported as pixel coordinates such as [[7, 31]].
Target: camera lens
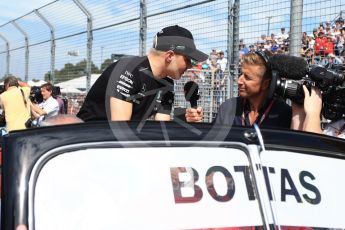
[[290, 89]]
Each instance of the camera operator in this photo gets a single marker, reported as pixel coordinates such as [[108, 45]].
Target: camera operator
[[15, 103], [49, 107], [307, 117]]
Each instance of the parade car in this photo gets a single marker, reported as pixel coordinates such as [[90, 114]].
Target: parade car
[[171, 175]]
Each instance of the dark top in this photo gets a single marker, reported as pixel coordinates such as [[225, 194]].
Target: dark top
[[232, 110], [129, 79]]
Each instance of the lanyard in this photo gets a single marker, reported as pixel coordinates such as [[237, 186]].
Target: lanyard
[[268, 109], [340, 131]]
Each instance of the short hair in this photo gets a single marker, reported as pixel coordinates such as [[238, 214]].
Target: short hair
[[48, 86], [155, 51], [258, 58], [11, 81]]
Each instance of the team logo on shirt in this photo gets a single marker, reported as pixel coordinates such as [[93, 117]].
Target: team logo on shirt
[[143, 89], [125, 84], [272, 116]]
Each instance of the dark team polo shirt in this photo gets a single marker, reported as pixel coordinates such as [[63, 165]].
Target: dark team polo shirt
[[278, 116], [129, 79]]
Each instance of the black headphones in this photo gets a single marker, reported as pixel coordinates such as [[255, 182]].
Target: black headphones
[[263, 55]]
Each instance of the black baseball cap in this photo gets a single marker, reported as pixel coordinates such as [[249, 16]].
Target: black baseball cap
[[179, 40]]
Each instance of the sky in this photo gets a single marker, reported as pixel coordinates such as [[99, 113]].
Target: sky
[[67, 19], [208, 23], [10, 9]]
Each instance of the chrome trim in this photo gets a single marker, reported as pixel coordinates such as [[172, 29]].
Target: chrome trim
[[259, 135]]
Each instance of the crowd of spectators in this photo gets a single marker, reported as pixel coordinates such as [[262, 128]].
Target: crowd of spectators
[[325, 45]]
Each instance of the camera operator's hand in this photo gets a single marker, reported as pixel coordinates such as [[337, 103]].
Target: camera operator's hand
[[194, 115], [298, 116], [312, 101], [312, 108]]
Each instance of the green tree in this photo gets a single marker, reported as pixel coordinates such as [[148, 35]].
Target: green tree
[[105, 64], [70, 71]]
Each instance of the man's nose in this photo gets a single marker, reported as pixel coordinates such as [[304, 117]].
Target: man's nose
[[239, 81]]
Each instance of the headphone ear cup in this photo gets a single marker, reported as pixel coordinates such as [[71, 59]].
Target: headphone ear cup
[[273, 84]]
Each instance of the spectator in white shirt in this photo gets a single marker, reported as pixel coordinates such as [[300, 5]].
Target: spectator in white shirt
[[222, 61], [282, 36], [49, 107]]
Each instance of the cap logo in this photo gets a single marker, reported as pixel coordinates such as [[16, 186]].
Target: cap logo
[[180, 47]]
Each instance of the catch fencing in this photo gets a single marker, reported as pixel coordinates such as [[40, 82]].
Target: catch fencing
[[66, 39]]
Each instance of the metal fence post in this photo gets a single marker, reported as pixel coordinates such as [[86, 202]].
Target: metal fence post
[[236, 42], [296, 27], [230, 44], [89, 43], [52, 46], [143, 28], [212, 101], [26, 49], [7, 55]]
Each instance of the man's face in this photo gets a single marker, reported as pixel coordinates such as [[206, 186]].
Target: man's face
[[178, 65], [45, 93], [251, 82]]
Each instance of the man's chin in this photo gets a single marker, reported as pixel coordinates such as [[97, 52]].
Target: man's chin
[[242, 94], [176, 77]]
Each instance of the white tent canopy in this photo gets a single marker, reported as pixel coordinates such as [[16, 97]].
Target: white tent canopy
[[36, 83], [71, 90], [78, 83]]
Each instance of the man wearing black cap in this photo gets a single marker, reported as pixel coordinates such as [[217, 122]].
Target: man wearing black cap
[[136, 88]]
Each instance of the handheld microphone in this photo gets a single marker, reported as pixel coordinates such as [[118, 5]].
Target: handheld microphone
[[289, 67], [191, 93]]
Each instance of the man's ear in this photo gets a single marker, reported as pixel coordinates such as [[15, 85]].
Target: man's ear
[[266, 83], [169, 56]]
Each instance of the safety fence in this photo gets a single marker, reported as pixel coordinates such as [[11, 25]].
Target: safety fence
[[67, 39]]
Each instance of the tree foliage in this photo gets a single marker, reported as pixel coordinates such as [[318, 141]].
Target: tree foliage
[[71, 71], [105, 64]]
